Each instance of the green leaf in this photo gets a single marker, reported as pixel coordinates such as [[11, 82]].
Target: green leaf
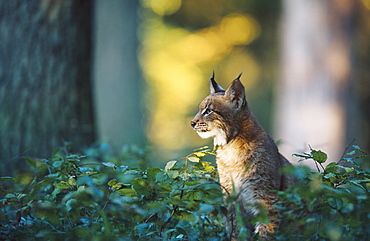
[[109, 164], [200, 154], [206, 208], [57, 164], [71, 204], [184, 214], [330, 165], [348, 169], [117, 186], [173, 174], [305, 156], [356, 147], [357, 184], [165, 187], [112, 182], [123, 168], [207, 166], [72, 181], [142, 186], [351, 153], [7, 179], [175, 202], [319, 156], [31, 162], [329, 175], [126, 192], [87, 173], [10, 195], [192, 196], [161, 176], [151, 173], [203, 148], [133, 172], [62, 185], [170, 164], [191, 183], [194, 159]]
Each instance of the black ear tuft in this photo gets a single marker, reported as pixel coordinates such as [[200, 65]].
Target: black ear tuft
[[240, 75], [214, 87]]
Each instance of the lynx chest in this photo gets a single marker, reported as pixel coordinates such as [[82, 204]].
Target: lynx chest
[[234, 165]]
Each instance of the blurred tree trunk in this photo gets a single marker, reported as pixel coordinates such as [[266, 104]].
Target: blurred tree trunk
[[44, 78], [116, 73], [362, 71], [315, 93]]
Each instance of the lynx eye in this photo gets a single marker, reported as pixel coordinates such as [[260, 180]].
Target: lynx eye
[[207, 111]]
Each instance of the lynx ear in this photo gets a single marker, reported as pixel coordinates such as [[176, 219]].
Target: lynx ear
[[236, 92], [214, 87]]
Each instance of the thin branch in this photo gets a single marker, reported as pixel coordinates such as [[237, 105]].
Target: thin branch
[[317, 166], [173, 210], [345, 151]]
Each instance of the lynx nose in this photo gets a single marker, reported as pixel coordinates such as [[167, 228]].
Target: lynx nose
[[192, 123]]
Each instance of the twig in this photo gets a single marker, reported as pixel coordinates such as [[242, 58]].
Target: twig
[[346, 150], [173, 210]]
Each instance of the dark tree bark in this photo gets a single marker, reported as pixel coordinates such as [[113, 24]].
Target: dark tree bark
[[44, 78]]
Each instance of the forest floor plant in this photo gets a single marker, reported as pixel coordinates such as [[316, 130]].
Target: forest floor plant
[[97, 197]]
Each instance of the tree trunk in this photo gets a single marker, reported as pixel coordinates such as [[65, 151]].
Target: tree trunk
[[315, 90], [44, 78], [116, 74]]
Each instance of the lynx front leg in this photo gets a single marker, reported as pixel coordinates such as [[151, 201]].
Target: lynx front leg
[[264, 229], [238, 218], [231, 223]]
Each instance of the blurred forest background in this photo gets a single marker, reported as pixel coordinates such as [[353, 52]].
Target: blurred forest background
[[127, 72]]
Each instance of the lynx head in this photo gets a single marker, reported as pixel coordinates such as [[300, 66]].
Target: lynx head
[[222, 112]]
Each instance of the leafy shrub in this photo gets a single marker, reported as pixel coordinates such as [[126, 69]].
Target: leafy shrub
[[99, 197], [330, 204], [71, 196]]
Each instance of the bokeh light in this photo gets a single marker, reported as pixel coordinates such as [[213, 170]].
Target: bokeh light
[[177, 63]]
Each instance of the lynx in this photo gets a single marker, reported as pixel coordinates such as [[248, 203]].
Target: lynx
[[248, 161]]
